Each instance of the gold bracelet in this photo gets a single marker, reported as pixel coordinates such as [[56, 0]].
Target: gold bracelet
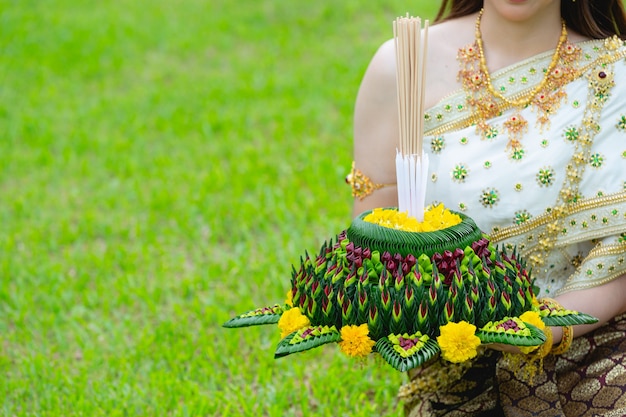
[[568, 331], [361, 184], [566, 341]]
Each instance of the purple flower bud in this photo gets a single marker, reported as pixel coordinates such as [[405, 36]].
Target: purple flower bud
[[410, 261], [397, 310], [397, 258]]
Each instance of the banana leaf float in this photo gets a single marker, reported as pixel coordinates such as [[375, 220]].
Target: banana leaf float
[[410, 296]]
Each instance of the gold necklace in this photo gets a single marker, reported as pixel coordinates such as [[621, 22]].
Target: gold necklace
[[526, 98]]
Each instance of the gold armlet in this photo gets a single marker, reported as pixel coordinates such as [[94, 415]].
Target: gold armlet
[[568, 331], [361, 184]]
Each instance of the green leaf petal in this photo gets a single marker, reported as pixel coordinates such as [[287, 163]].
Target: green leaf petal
[[569, 319], [285, 348], [266, 315], [535, 338], [402, 364]]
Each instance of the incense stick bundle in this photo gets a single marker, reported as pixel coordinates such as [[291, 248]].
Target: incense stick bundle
[[411, 162]]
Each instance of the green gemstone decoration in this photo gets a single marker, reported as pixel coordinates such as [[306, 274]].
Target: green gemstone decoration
[[572, 134], [460, 172], [492, 133], [518, 154], [437, 144], [490, 197], [522, 217], [621, 124], [596, 160], [545, 177]]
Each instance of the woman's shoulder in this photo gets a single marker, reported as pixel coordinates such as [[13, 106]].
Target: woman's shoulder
[[444, 41], [453, 33]]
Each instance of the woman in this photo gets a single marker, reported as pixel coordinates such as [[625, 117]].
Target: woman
[[525, 127]]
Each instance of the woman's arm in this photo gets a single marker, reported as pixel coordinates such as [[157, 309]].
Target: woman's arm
[[603, 302], [376, 129]]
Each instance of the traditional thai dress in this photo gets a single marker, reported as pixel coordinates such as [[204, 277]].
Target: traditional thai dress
[[540, 165]]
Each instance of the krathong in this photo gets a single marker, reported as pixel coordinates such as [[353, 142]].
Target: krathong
[[409, 296]]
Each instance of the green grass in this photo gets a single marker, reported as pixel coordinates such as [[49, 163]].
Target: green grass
[[162, 165]]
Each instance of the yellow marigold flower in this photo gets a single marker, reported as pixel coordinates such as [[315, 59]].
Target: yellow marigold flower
[[435, 218], [533, 318], [292, 320], [355, 340], [289, 299], [441, 218], [458, 341]]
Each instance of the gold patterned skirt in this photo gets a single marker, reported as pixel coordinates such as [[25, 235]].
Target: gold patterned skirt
[[587, 380]]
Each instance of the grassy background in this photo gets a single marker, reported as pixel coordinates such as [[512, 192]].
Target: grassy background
[[162, 165]]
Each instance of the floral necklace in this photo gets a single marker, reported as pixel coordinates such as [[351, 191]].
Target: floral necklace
[[488, 102]]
